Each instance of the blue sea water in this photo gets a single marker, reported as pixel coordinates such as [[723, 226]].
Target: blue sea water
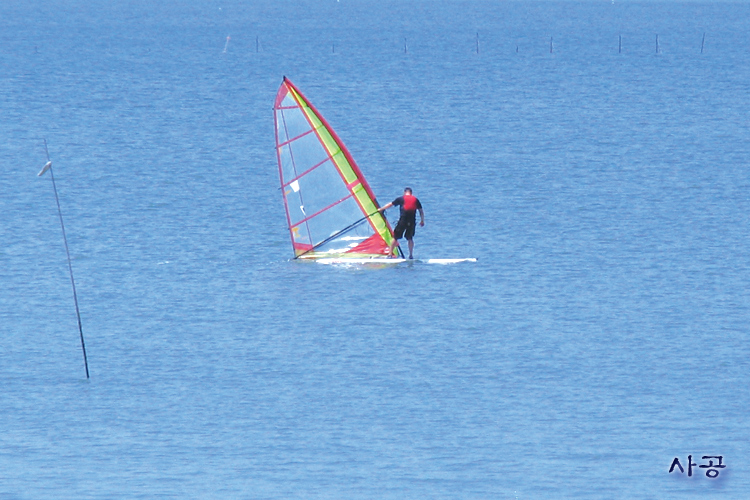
[[601, 334]]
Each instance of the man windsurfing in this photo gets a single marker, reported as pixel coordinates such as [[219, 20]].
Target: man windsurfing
[[407, 222]]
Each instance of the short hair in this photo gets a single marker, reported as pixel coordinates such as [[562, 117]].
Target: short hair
[[407, 189]]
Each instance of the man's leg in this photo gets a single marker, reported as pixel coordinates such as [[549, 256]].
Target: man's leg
[[411, 248], [392, 246]]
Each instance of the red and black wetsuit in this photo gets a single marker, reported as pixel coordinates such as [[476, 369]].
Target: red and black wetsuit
[[408, 221]]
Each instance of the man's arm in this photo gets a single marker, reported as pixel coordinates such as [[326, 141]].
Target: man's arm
[[387, 205], [421, 216]]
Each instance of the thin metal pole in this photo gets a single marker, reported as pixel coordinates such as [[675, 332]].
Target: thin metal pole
[[703, 42], [67, 252]]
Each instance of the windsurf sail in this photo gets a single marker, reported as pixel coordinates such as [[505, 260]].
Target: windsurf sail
[[331, 210]]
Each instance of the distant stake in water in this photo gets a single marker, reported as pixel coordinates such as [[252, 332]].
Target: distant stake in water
[[703, 42], [48, 166], [550, 45], [257, 44], [406, 48], [619, 46], [477, 42], [227, 44], [657, 44]]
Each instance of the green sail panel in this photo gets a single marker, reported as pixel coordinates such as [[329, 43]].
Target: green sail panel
[[331, 210]]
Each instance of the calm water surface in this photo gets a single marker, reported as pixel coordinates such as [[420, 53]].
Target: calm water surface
[[601, 334]]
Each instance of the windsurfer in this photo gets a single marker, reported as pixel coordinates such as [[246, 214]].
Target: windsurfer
[[407, 222]]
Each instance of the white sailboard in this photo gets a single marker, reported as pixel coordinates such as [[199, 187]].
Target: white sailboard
[[389, 262]]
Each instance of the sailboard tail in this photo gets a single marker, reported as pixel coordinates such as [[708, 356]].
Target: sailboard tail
[[331, 210]]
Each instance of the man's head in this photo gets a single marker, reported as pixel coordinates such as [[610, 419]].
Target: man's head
[[407, 191]]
